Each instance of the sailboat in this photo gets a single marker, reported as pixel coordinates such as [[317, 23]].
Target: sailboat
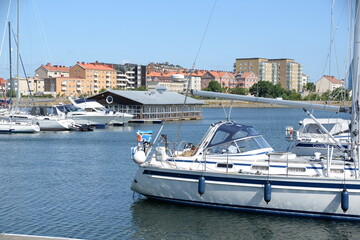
[[281, 183]]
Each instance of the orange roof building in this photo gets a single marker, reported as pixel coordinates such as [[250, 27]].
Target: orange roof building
[[48, 70]]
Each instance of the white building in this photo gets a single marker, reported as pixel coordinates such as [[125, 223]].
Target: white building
[[328, 83], [35, 86]]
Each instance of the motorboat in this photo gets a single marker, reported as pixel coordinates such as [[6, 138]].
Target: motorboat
[[93, 106], [311, 138], [48, 118], [82, 117]]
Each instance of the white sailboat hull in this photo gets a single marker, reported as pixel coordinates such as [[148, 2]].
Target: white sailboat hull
[[18, 127], [48, 124], [306, 196]]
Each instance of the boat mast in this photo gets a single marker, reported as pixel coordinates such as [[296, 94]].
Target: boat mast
[[10, 63], [355, 135], [18, 52]]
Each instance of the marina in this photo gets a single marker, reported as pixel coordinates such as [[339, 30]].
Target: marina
[[77, 185]]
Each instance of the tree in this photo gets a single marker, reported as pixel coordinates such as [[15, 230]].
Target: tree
[[339, 94], [310, 87], [262, 89], [102, 90], [239, 91], [213, 86]]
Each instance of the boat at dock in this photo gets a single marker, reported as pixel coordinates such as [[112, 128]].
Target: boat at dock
[[311, 138], [273, 183], [93, 106]]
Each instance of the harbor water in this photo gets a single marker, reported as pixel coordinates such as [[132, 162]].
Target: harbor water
[[77, 185]]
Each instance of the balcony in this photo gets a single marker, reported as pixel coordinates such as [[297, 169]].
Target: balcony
[[121, 84], [63, 83], [96, 79], [63, 88], [78, 89]]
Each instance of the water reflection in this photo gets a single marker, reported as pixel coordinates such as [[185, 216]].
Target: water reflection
[[160, 220]]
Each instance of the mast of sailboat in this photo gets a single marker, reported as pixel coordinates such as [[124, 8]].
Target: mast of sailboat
[[10, 63], [18, 52], [355, 135]]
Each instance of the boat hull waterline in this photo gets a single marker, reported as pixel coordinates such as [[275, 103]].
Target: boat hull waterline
[[291, 196]]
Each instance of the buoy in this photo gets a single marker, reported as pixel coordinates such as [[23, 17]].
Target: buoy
[[201, 186], [344, 200], [267, 192], [139, 157]]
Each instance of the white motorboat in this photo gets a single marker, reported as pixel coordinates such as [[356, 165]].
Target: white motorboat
[[8, 125], [283, 183], [94, 106], [311, 138], [46, 121], [82, 117]]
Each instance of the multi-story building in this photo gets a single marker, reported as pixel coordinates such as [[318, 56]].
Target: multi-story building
[[173, 81], [226, 79], [130, 76], [48, 70], [284, 71], [246, 80], [304, 80], [84, 79], [328, 83], [27, 87]]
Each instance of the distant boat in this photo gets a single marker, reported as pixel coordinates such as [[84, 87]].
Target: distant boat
[[310, 138], [94, 106], [9, 126], [82, 117]]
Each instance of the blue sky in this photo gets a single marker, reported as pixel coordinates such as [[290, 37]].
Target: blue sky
[[66, 31]]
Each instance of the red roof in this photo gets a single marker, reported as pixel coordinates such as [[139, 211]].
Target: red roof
[[2, 81], [95, 66], [55, 68], [333, 79]]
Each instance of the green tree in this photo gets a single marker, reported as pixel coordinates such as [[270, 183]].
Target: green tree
[[213, 86], [262, 89], [340, 94], [310, 86], [239, 91], [102, 90], [11, 93]]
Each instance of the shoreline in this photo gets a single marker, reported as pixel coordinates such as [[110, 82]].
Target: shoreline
[[241, 104]]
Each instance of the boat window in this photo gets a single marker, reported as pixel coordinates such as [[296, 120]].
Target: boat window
[[219, 137], [230, 132], [312, 128], [230, 148], [251, 144]]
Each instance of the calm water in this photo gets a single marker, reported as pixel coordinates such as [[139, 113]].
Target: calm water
[[77, 184]]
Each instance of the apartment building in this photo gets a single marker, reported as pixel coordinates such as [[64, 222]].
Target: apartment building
[[173, 81], [29, 86], [84, 78], [49, 70], [246, 80], [226, 79], [129, 76], [284, 71]]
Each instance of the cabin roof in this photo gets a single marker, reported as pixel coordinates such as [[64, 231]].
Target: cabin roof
[[154, 97]]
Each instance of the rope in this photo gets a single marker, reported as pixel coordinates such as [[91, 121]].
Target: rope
[[188, 80]]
